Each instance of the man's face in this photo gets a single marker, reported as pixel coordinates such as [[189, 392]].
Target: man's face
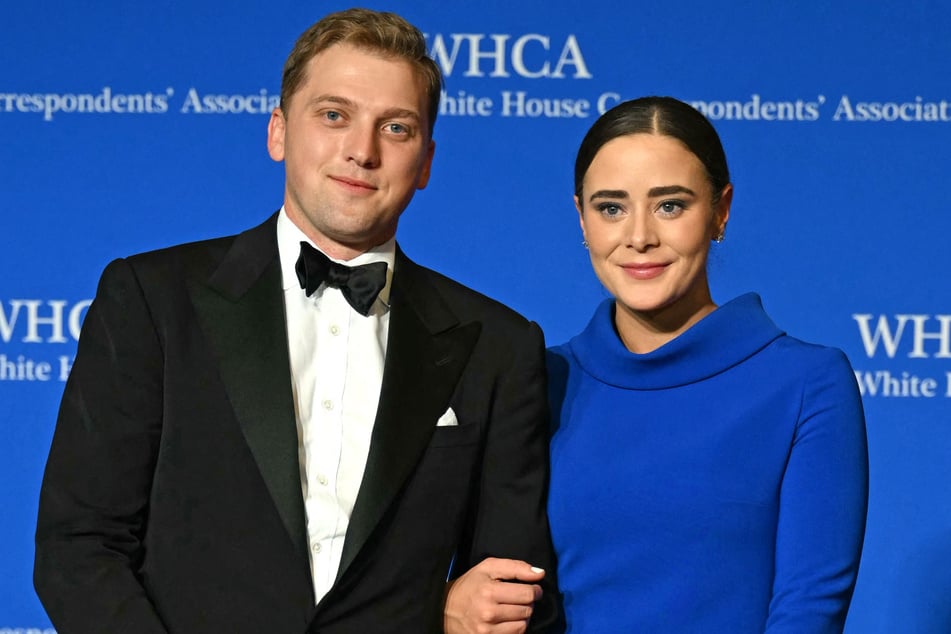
[[355, 144]]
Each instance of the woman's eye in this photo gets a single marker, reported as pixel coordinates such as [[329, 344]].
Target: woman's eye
[[671, 207], [609, 210]]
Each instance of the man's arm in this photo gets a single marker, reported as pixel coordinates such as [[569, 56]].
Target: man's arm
[[500, 591], [94, 499]]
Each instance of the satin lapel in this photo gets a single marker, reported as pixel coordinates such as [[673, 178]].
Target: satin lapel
[[426, 352], [241, 311]]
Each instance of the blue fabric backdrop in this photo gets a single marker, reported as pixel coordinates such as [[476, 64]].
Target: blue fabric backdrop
[[129, 126]]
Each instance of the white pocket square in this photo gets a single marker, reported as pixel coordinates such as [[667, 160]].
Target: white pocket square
[[448, 419]]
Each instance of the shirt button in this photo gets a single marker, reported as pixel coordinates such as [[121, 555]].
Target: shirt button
[[334, 330], [328, 404], [322, 479], [316, 548]]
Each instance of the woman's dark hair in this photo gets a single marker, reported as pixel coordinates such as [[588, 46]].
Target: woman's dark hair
[[657, 115]]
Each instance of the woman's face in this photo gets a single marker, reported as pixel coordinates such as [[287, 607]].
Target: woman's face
[[647, 215]]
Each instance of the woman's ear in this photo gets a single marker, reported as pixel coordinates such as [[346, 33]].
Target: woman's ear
[[722, 211], [581, 218]]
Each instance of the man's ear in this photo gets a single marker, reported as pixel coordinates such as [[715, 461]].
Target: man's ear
[[423, 179], [276, 128]]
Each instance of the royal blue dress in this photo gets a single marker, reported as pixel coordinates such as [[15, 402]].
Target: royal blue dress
[[717, 484]]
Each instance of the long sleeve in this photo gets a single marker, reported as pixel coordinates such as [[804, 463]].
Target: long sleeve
[[510, 508], [95, 492], [717, 484], [823, 504]]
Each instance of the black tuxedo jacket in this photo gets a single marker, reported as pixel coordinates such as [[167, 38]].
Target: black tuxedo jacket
[[172, 496]]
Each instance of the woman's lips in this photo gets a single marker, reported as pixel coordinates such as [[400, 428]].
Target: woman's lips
[[644, 271]]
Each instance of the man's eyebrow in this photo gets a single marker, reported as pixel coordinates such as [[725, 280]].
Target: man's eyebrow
[[332, 99], [400, 113]]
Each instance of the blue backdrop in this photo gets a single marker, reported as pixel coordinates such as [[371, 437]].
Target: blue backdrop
[[129, 126]]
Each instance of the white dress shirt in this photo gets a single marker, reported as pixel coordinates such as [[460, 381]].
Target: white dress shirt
[[336, 359]]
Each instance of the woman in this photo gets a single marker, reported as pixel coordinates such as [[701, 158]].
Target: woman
[[709, 472]]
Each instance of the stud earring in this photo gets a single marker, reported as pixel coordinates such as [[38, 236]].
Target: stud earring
[[584, 243]]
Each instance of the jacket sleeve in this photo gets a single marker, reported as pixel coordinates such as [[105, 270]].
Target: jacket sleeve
[[823, 503], [94, 498], [510, 519]]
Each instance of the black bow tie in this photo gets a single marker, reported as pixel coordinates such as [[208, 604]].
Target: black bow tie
[[359, 284]]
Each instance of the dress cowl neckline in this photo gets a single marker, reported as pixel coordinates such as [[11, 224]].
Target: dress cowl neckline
[[725, 337]]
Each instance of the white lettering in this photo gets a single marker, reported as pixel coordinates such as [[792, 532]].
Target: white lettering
[[890, 111], [462, 104], [884, 383], [261, 103], [868, 383], [7, 323], [882, 333], [23, 369], [571, 55], [607, 101], [192, 102], [103, 102], [757, 109], [518, 63], [34, 321], [891, 338], [438, 52], [520, 105], [76, 315], [944, 336], [65, 365], [844, 109], [10, 317], [529, 55], [497, 54]]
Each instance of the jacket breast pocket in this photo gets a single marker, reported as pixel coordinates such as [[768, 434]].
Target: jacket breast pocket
[[455, 435]]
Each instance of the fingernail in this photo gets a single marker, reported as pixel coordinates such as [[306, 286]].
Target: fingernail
[[534, 569]]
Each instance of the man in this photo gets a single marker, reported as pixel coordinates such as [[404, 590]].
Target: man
[[255, 438]]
